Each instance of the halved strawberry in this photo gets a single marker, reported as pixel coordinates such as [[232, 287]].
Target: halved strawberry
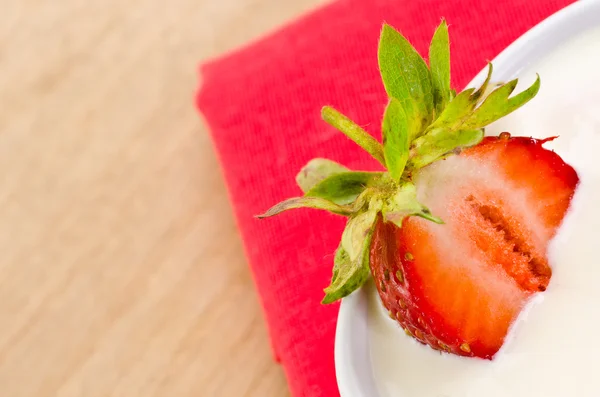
[[455, 231], [459, 286]]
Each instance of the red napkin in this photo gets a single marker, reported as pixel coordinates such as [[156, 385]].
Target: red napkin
[[262, 105]]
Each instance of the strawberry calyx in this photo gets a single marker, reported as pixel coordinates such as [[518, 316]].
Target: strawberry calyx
[[424, 121]]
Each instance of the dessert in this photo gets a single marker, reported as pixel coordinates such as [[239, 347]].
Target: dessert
[[454, 278], [548, 351], [459, 286]]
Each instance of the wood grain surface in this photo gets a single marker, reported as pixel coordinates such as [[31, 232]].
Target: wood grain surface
[[121, 272]]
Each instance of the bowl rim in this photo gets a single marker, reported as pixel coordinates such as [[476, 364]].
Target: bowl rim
[[352, 357]]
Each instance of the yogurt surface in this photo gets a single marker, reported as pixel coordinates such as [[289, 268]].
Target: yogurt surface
[[553, 348]]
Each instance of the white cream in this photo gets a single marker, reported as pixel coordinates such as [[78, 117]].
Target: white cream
[[553, 349]]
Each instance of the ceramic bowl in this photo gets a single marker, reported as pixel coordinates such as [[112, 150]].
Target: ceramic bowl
[[352, 354]]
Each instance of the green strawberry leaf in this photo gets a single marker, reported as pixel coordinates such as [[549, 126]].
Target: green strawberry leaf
[[347, 277], [395, 131], [340, 261], [351, 269], [455, 113], [498, 104], [406, 78], [315, 171], [343, 188], [307, 202], [452, 94], [404, 203], [357, 229], [482, 91], [354, 132], [440, 142], [460, 107], [460, 124], [439, 64]]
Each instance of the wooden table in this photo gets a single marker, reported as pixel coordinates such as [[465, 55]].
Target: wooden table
[[121, 271]]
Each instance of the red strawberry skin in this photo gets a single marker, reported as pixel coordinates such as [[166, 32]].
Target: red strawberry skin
[[459, 286]]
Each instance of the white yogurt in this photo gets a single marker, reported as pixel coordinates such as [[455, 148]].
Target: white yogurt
[[554, 347]]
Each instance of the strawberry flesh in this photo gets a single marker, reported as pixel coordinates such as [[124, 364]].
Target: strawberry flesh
[[459, 286]]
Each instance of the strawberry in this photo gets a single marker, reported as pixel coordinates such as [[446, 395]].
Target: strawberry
[[459, 286], [454, 232]]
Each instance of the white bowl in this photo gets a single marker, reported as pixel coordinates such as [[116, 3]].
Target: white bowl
[[352, 353]]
